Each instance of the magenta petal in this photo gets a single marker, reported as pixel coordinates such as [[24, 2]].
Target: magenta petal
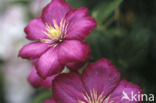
[[33, 50], [68, 88], [74, 66], [48, 63], [101, 76], [73, 51], [80, 24], [55, 10], [34, 30], [36, 81], [77, 14], [123, 89], [51, 100], [34, 78]]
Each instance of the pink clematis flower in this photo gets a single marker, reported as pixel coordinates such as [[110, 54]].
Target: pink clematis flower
[[58, 38], [99, 83], [36, 81]]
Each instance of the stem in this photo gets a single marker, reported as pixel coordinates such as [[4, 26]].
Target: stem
[[117, 20]]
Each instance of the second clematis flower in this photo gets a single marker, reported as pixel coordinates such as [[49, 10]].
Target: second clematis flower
[[58, 38], [99, 83]]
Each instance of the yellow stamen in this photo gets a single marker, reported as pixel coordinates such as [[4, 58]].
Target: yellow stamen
[[94, 98], [45, 40], [56, 32]]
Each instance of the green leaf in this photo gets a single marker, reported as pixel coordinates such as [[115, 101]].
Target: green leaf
[[124, 50], [76, 3], [42, 97], [104, 9]]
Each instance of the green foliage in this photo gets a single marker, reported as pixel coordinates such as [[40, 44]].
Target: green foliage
[[42, 96], [1, 84], [123, 49], [76, 4], [103, 10]]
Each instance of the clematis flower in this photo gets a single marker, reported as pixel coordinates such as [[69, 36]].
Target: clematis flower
[[58, 38], [36, 81], [99, 83]]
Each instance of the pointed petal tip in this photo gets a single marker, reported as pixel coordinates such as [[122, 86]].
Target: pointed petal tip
[[33, 50], [124, 90], [80, 24]]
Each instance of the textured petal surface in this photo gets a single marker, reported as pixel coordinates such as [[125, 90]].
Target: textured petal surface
[[73, 51], [101, 76], [51, 100], [123, 93], [80, 24], [48, 63], [68, 88], [55, 10], [34, 30], [36, 81], [33, 50]]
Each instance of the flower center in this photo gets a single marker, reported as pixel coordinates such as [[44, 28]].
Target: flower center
[[94, 98], [56, 32]]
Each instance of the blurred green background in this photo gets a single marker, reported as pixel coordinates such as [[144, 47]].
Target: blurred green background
[[126, 34]]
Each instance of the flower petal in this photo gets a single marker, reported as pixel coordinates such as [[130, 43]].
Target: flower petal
[[123, 93], [55, 10], [74, 66], [33, 50], [34, 30], [101, 76], [75, 14], [80, 24], [48, 63], [73, 51], [68, 88], [51, 100], [36, 81]]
